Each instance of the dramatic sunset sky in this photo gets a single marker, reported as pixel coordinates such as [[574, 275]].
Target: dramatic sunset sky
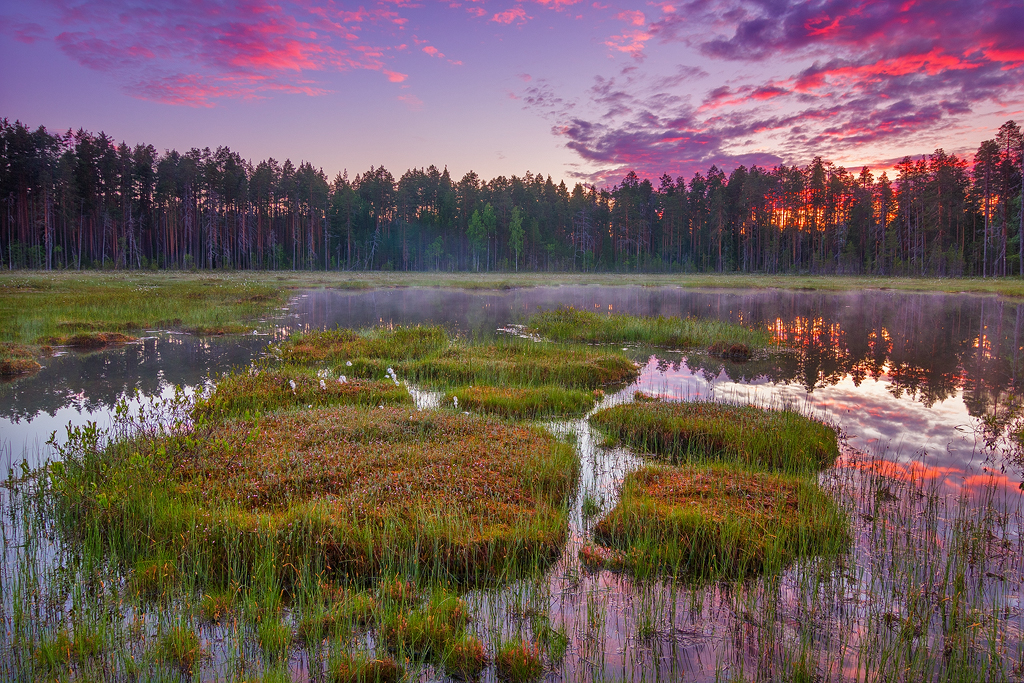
[[574, 88]]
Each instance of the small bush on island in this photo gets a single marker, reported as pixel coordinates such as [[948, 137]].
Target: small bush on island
[[569, 324], [709, 523], [425, 354], [699, 431], [523, 402]]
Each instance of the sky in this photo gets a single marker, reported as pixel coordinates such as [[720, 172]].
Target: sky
[[576, 89]]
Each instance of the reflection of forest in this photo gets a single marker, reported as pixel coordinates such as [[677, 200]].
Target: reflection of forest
[[927, 346], [95, 381]]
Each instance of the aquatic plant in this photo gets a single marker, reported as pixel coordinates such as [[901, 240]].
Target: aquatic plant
[[700, 431], [568, 324], [261, 390], [705, 523], [523, 402], [425, 354], [518, 661], [348, 668]]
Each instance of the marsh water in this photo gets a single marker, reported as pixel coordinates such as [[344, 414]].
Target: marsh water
[[924, 388]]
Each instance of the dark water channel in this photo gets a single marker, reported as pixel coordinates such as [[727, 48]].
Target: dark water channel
[[923, 386]]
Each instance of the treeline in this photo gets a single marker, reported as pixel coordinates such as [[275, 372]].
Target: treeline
[[78, 200]]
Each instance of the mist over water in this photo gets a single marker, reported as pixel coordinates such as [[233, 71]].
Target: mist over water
[[923, 378]]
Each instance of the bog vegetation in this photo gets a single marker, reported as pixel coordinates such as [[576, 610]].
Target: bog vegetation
[[311, 516]]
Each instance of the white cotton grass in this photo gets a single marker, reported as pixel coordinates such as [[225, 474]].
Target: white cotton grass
[[342, 379], [291, 383], [323, 385], [394, 377], [456, 400]]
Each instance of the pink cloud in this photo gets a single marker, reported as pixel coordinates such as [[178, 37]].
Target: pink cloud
[[414, 103], [631, 16], [394, 76], [516, 14]]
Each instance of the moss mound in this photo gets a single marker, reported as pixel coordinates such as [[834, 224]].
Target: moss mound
[[347, 489], [706, 523], [704, 430]]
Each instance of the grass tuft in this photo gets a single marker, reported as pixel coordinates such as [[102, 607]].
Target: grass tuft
[[569, 324], [261, 391], [518, 661], [179, 645], [425, 354], [705, 431], [706, 523], [523, 402], [358, 669]]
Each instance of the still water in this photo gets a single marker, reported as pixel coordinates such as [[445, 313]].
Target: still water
[[929, 381], [923, 387]]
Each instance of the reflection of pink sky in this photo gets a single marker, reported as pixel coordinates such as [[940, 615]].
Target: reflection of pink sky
[[914, 440]]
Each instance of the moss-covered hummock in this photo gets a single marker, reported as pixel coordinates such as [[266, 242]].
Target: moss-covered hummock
[[698, 431], [348, 489], [571, 325], [426, 354], [713, 522]]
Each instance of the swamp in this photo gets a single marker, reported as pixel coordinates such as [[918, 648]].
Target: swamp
[[509, 481]]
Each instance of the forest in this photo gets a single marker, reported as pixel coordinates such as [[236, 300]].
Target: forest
[[78, 200]]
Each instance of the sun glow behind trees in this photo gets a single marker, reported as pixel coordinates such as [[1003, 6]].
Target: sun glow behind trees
[[79, 200]]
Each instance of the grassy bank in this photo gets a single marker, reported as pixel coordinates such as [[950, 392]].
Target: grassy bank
[[568, 324], [37, 305], [715, 522], [426, 354], [78, 308], [706, 431]]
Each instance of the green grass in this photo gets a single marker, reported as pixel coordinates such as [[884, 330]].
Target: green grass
[[179, 645], [429, 631], [427, 355], [700, 431], [522, 402], [709, 523], [347, 668], [518, 661], [265, 390], [57, 308], [571, 325], [347, 489]]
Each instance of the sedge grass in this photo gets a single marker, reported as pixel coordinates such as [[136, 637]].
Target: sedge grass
[[569, 324], [427, 355], [705, 523], [38, 308], [698, 431], [523, 402], [264, 390]]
